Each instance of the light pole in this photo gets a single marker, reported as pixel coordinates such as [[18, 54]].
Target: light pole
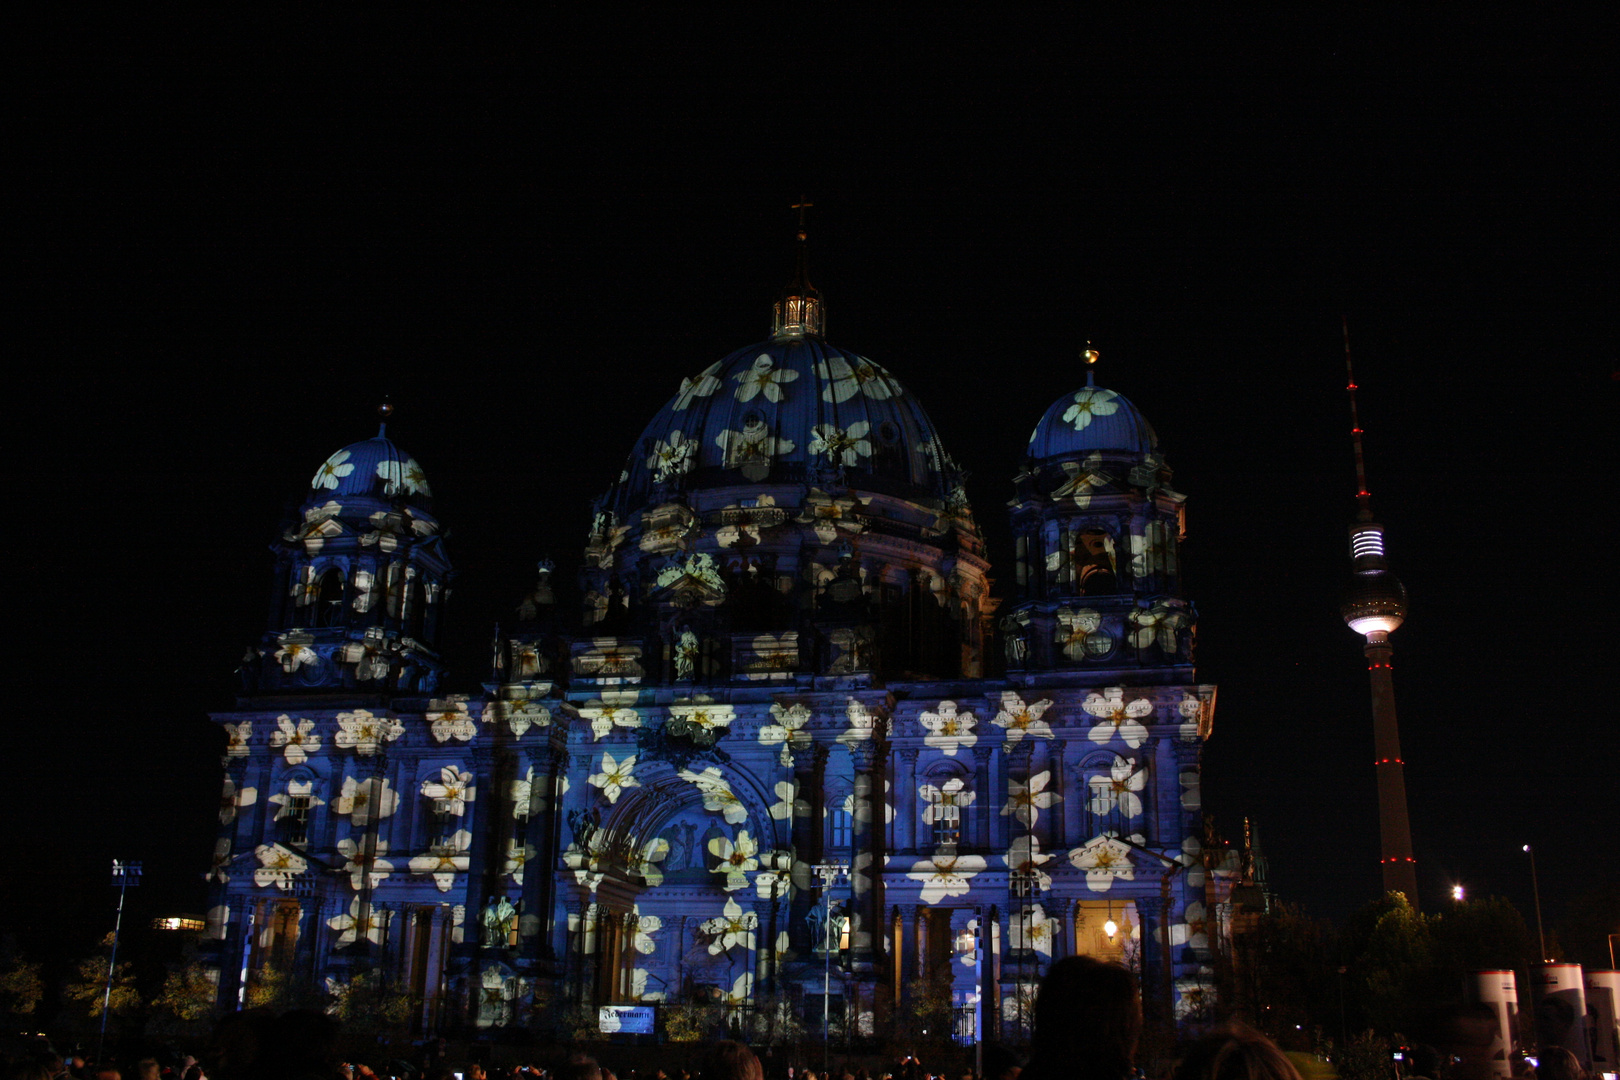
[[1536, 888], [827, 873], [123, 875]]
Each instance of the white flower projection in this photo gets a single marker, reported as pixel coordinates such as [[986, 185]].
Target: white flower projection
[[775, 881], [452, 791], [296, 789], [1089, 404], [237, 736], [1024, 856], [948, 729], [1157, 625], [646, 862], [294, 654], [1104, 859], [1191, 790], [703, 717], [645, 927], [402, 477], [787, 726], [233, 799], [361, 859], [332, 470], [1022, 720], [365, 801], [732, 928], [1077, 633], [616, 775], [354, 925], [786, 792], [517, 857], [277, 866], [945, 875], [829, 515], [862, 722], [842, 446], [764, 378], [944, 802], [449, 720], [446, 860], [672, 457], [297, 736], [1191, 710], [1081, 480], [1030, 930], [364, 733], [520, 711], [717, 794], [1193, 931], [702, 386], [1025, 801], [1118, 789], [735, 859], [848, 377], [754, 443], [613, 709], [1120, 719]]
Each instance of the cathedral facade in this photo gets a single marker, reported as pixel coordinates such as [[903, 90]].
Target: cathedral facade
[[792, 758]]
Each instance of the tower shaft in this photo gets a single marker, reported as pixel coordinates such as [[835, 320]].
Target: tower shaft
[[1394, 828]]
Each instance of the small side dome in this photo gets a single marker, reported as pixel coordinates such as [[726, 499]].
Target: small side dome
[[372, 469], [1090, 420]]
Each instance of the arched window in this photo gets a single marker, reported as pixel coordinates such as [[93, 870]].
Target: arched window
[[295, 809], [329, 598], [945, 797]]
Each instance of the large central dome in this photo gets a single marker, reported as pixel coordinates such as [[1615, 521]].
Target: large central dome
[[788, 411]]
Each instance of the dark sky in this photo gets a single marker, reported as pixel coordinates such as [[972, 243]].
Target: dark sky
[[230, 240]]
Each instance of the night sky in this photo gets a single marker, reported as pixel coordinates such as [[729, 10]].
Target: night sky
[[230, 240]]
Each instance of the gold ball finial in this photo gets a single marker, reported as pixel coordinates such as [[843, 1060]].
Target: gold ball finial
[[386, 409], [1090, 355]]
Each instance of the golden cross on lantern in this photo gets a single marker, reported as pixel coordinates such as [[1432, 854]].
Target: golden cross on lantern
[[801, 206]]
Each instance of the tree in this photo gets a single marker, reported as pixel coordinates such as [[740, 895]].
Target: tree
[[20, 985], [185, 1003], [1282, 975], [89, 985], [1390, 955]]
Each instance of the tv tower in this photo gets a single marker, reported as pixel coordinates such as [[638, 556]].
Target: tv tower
[[1375, 606]]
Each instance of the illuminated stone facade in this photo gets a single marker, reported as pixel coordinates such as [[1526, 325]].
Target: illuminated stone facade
[[788, 658]]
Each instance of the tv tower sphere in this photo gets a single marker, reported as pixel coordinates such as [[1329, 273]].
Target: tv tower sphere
[[1374, 600]]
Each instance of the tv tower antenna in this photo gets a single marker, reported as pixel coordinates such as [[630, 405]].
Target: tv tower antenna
[[1374, 607]]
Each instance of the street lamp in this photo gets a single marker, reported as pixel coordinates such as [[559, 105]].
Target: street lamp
[[1457, 893], [827, 873], [124, 875], [1536, 888]]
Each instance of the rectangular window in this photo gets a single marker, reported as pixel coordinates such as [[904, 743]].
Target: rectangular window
[[839, 830], [297, 819]]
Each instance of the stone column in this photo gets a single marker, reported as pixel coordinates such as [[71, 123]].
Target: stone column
[[907, 951], [764, 946], [1053, 834], [809, 769], [540, 872], [905, 800], [866, 869], [985, 803]]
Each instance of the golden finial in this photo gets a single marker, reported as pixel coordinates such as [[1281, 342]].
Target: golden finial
[[801, 206], [1090, 356]]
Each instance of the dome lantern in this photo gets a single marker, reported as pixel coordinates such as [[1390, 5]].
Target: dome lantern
[[798, 311]]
